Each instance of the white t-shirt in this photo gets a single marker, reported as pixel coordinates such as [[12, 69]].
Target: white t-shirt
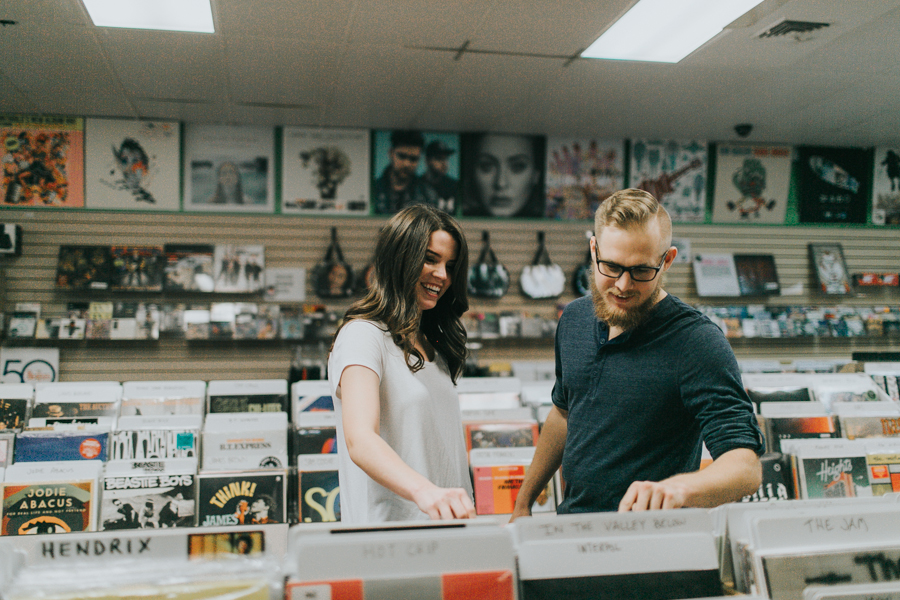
[[420, 420]]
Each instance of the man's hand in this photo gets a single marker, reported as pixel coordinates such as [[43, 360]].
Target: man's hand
[[730, 477], [654, 495], [444, 503]]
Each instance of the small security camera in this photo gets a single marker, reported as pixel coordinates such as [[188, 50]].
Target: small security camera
[[743, 129]]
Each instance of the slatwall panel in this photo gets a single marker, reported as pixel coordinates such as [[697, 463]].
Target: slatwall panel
[[292, 241]]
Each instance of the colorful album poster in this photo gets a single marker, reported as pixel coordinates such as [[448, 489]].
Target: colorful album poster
[[241, 498], [132, 165], [43, 161], [833, 184], [52, 507], [751, 184], [415, 167], [147, 501], [504, 175], [229, 168], [582, 173], [886, 186], [674, 172], [325, 171]]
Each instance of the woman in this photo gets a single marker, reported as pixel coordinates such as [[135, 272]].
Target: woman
[[392, 369], [505, 176]]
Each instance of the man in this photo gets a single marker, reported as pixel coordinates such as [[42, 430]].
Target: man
[[441, 189], [641, 378], [399, 186]]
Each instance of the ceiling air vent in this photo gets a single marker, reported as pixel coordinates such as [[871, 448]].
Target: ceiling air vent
[[796, 29]]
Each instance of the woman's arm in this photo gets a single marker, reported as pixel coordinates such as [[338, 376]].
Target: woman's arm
[[361, 411]]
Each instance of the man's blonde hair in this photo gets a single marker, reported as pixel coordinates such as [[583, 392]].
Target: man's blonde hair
[[630, 208]]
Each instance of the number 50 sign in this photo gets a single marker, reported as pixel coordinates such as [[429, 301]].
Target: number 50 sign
[[29, 365]]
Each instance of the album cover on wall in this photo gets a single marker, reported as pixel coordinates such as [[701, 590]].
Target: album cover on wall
[[833, 184], [229, 168], [43, 160], [137, 268], [503, 175], [886, 186], [239, 269], [674, 172], [757, 275], [582, 173], [415, 167], [83, 267], [325, 170], [132, 164], [752, 183], [189, 267], [829, 268]]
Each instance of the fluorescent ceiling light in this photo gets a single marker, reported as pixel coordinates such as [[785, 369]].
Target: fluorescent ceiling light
[[666, 30], [168, 15]]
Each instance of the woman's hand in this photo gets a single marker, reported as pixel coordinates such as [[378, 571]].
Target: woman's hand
[[444, 503]]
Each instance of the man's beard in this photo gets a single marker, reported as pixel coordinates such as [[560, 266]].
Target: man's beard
[[626, 319]]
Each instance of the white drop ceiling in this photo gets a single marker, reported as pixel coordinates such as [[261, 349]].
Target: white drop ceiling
[[396, 63]]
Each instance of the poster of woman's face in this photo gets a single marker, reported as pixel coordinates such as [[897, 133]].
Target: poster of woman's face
[[229, 168], [504, 175]]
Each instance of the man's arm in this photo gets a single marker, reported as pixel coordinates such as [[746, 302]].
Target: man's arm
[[546, 461], [733, 475]]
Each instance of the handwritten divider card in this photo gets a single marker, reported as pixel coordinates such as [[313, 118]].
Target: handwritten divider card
[[665, 554], [842, 544], [736, 545], [452, 561], [864, 591]]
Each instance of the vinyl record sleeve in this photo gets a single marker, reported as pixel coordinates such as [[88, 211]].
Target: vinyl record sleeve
[[786, 576], [674, 172], [229, 168], [752, 183], [833, 184], [241, 498], [52, 507], [145, 444], [319, 496], [582, 173], [45, 158], [886, 186], [83, 267], [189, 267], [239, 268], [427, 170], [485, 585], [132, 164], [148, 501], [137, 268], [325, 171]]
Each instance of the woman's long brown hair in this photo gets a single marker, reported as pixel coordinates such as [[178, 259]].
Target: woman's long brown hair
[[391, 299]]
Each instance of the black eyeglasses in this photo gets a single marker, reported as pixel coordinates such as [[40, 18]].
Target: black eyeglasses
[[638, 273]]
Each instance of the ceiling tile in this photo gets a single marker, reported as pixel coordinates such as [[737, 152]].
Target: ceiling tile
[[167, 65]]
